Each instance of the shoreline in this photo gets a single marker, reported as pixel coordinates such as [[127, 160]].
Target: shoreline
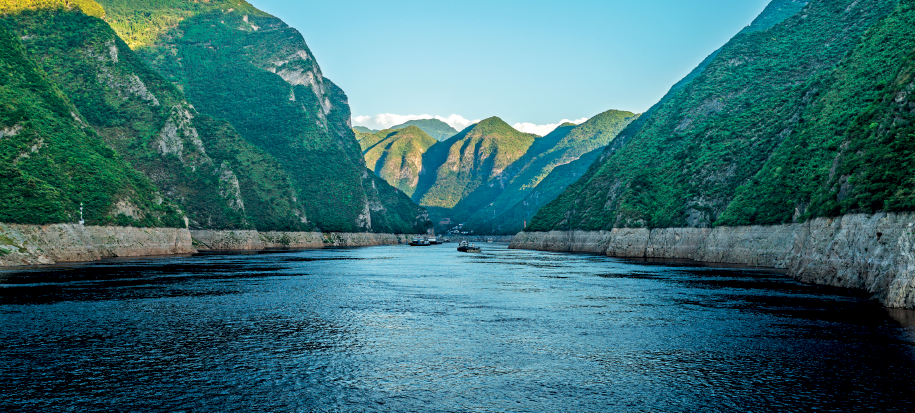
[[874, 253], [24, 246]]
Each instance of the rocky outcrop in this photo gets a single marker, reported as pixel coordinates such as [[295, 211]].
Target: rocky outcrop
[[254, 240], [875, 253], [61, 243]]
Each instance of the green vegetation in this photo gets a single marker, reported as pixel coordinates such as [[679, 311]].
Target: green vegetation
[[50, 162], [562, 146], [435, 128], [477, 160], [243, 66], [785, 123], [398, 156], [147, 120]]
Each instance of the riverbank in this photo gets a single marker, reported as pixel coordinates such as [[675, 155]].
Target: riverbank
[[23, 245], [875, 253]]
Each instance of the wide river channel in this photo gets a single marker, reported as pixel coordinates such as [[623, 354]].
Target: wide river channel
[[400, 328]]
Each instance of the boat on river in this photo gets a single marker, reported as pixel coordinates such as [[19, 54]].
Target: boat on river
[[464, 246], [420, 242]]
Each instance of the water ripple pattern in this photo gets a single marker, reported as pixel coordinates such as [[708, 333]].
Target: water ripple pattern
[[430, 329]]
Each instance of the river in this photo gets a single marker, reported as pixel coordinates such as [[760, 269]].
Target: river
[[400, 328]]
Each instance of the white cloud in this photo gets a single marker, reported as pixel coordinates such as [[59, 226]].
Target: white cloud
[[543, 130], [386, 120]]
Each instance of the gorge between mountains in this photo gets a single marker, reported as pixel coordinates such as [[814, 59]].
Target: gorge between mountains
[[172, 127], [190, 220]]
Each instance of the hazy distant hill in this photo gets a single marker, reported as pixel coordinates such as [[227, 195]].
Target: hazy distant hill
[[433, 127], [810, 117], [363, 129]]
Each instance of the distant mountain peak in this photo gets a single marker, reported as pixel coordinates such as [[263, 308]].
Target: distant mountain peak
[[433, 127]]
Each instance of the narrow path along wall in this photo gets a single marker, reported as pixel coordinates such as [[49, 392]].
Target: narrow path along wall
[[875, 253]]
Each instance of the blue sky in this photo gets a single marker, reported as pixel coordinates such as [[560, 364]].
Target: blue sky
[[535, 62]]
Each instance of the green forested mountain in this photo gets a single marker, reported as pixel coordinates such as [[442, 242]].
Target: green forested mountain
[[397, 155], [238, 64], [479, 161], [216, 177], [226, 167], [52, 161], [809, 117], [363, 129], [433, 127], [564, 145]]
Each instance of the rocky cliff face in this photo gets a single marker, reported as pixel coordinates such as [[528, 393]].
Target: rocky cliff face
[[218, 179], [874, 253], [62, 243], [237, 63]]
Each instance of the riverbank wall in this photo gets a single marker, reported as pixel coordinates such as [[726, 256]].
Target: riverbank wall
[[255, 240], [23, 245], [875, 253], [59, 243]]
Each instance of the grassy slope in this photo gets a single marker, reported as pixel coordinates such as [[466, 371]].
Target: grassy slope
[[131, 107], [477, 160], [397, 157], [50, 162], [685, 164], [261, 77], [562, 146]]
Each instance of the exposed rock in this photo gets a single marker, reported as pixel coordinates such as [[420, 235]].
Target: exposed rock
[[875, 253], [243, 240], [61, 243], [10, 131]]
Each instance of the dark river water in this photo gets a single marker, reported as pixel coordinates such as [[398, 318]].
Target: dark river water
[[431, 329]]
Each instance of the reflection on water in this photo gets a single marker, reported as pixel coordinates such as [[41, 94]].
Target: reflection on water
[[430, 329]]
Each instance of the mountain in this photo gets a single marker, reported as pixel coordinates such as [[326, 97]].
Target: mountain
[[469, 169], [806, 118], [564, 145], [516, 218], [166, 158], [236, 63], [52, 163], [363, 129], [218, 179], [435, 128], [397, 155]]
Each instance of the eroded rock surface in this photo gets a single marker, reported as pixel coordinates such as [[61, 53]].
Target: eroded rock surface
[[875, 253]]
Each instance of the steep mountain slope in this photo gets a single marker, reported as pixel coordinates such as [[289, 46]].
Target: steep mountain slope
[[697, 150], [565, 144], [398, 156], [435, 128], [216, 177], [479, 160], [51, 162], [516, 218], [244, 66]]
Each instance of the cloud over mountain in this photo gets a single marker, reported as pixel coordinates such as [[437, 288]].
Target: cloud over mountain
[[543, 130]]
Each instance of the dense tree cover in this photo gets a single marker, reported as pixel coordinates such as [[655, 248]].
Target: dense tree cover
[[694, 152], [243, 66], [89, 7], [51, 163], [854, 150], [144, 118]]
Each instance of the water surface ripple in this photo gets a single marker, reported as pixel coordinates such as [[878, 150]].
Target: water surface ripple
[[431, 329]]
